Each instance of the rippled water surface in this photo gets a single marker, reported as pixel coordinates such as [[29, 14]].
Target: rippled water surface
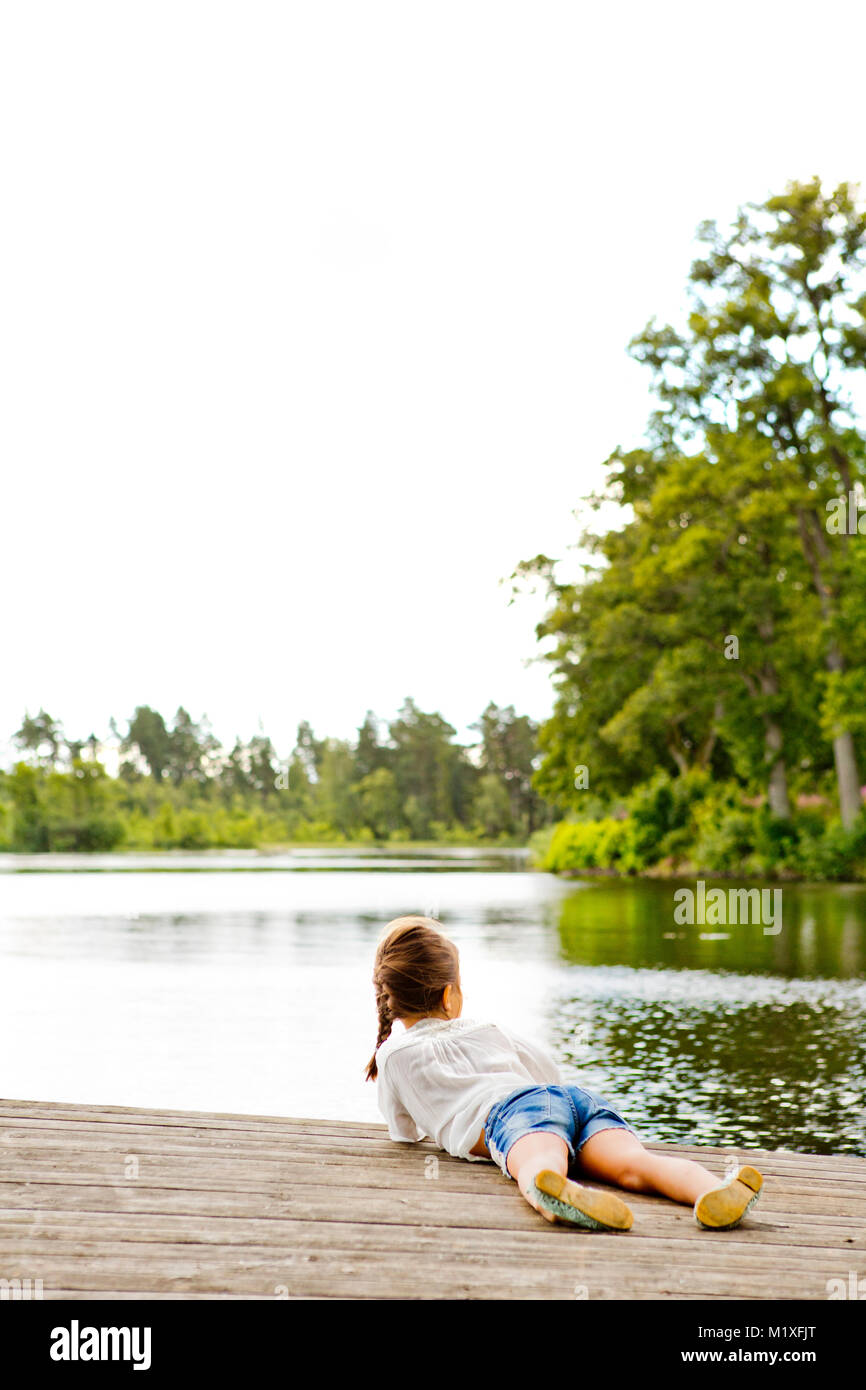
[[242, 982]]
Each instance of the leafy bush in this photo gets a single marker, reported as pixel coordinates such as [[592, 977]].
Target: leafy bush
[[100, 833], [585, 845], [660, 818], [776, 842], [539, 845], [193, 831], [836, 853], [726, 839]]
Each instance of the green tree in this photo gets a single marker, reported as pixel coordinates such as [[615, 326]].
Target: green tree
[[335, 797], [507, 751], [234, 773], [774, 341], [63, 811], [190, 746], [646, 675], [380, 802], [148, 736], [370, 752], [722, 569], [262, 765], [493, 809], [431, 772], [31, 833], [309, 750], [41, 737]]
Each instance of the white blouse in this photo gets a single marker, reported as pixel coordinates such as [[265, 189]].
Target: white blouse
[[439, 1078]]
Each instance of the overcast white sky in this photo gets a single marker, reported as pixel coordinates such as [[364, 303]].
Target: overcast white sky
[[313, 322]]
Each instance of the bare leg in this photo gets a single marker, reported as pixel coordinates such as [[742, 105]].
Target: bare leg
[[540, 1160], [616, 1156], [530, 1155]]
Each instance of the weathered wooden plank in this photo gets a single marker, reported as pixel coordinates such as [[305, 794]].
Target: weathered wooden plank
[[146, 1295], [228, 1232], [409, 1170], [85, 1138], [561, 1257], [120, 1114], [382, 1276], [153, 1165], [645, 1243], [820, 1232], [247, 1207], [309, 1130], [395, 1205], [383, 1151]]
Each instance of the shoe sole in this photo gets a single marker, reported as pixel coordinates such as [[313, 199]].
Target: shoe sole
[[725, 1207], [580, 1206]]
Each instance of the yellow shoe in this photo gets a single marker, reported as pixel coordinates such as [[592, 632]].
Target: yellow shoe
[[724, 1207], [580, 1206]]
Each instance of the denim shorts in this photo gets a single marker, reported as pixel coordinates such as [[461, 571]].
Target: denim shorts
[[569, 1111]]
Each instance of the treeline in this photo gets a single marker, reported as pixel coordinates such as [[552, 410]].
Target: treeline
[[177, 787], [711, 664]]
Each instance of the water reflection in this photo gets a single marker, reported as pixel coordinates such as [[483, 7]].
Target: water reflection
[[720, 1035], [823, 931], [782, 1066]]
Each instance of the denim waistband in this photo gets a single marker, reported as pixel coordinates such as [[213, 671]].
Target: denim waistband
[[512, 1095]]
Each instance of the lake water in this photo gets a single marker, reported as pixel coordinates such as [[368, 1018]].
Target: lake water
[[241, 982]]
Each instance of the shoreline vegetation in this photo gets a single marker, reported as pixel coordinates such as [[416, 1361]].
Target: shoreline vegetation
[[688, 827], [691, 825], [667, 828], [176, 787]]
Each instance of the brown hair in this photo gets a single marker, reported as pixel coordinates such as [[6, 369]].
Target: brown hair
[[414, 962]]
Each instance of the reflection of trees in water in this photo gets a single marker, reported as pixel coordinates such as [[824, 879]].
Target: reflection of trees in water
[[753, 1075], [632, 923]]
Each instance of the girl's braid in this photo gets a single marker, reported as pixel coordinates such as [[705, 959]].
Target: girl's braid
[[386, 1019]]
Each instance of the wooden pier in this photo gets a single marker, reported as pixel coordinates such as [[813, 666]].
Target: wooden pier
[[107, 1202]]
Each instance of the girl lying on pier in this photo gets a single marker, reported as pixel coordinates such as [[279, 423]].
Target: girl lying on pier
[[480, 1092]]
